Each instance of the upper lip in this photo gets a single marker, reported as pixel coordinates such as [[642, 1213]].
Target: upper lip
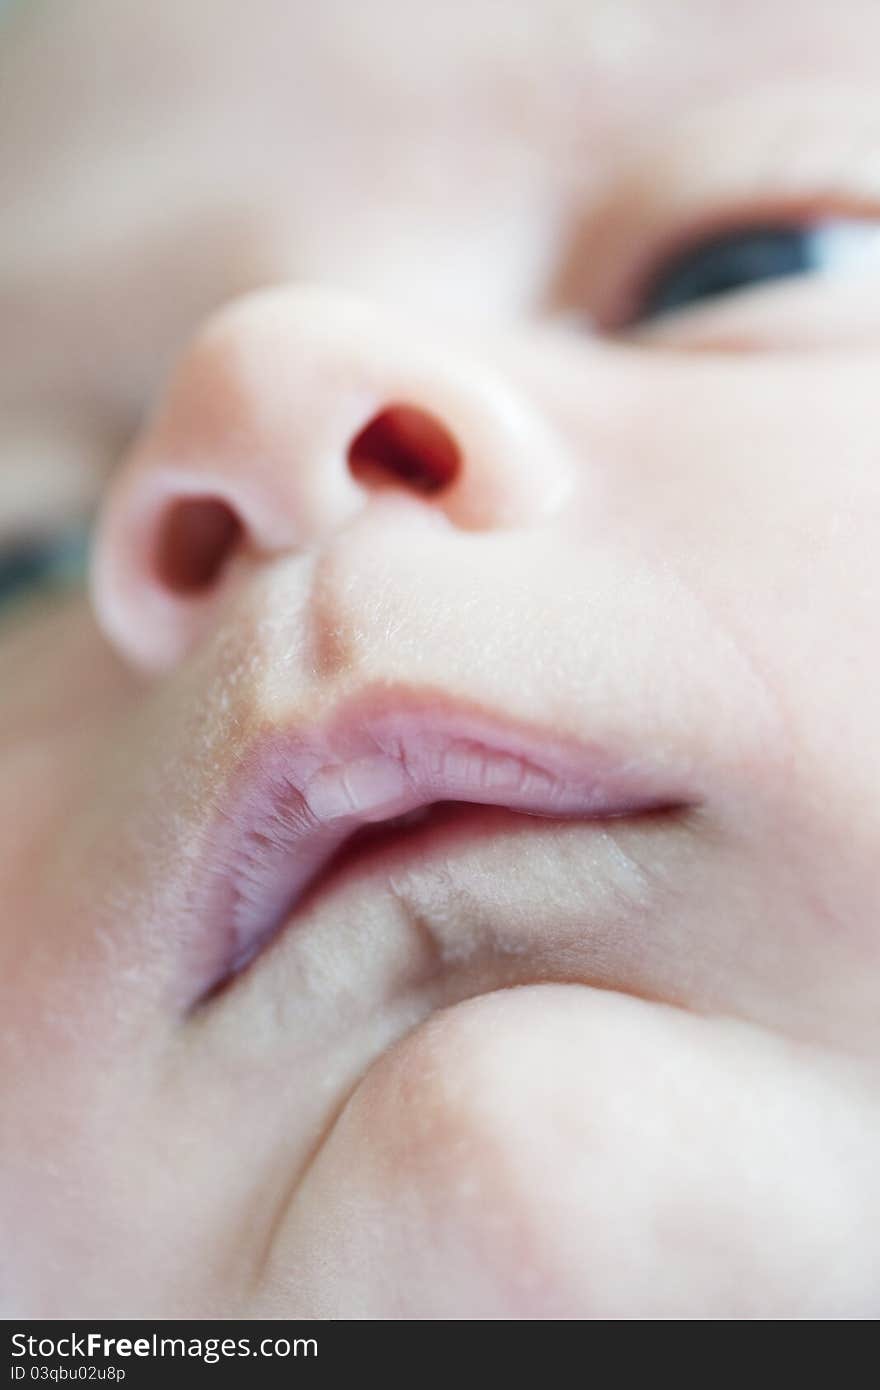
[[300, 793]]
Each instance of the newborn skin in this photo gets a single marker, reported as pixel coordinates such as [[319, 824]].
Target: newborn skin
[[440, 869]]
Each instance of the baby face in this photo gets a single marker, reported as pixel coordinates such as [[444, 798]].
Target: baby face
[[440, 868]]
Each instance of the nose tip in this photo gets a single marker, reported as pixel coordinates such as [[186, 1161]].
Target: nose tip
[[286, 414]]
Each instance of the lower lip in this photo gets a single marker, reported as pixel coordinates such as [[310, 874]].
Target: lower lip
[[442, 829], [389, 843]]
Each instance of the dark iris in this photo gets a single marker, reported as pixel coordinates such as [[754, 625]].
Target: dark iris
[[41, 563], [731, 262]]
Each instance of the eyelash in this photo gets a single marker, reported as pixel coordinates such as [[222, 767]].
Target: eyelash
[[619, 291], [706, 267]]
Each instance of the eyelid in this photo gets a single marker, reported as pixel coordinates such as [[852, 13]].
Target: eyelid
[[807, 154], [850, 239], [836, 248], [788, 315]]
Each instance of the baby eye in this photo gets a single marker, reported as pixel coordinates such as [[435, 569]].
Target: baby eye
[[41, 563], [747, 256]]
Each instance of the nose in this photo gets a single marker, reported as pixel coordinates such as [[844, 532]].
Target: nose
[[285, 416]]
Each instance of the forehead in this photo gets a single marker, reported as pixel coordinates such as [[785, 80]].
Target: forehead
[[205, 145], [603, 65], [406, 98]]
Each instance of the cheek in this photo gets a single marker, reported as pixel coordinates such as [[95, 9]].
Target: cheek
[[765, 499], [560, 1152], [36, 783], [815, 596], [59, 690]]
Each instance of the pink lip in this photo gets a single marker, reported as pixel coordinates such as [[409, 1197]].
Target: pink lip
[[300, 795]]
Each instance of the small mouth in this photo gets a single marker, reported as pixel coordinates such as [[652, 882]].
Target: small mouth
[[443, 826], [402, 834], [370, 833], [376, 785]]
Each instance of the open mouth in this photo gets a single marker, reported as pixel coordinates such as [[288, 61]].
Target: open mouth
[[374, 789], [442, 824], [384, 843]]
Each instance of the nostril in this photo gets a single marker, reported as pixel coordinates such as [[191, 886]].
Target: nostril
[[196, 538], [405, 445]]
